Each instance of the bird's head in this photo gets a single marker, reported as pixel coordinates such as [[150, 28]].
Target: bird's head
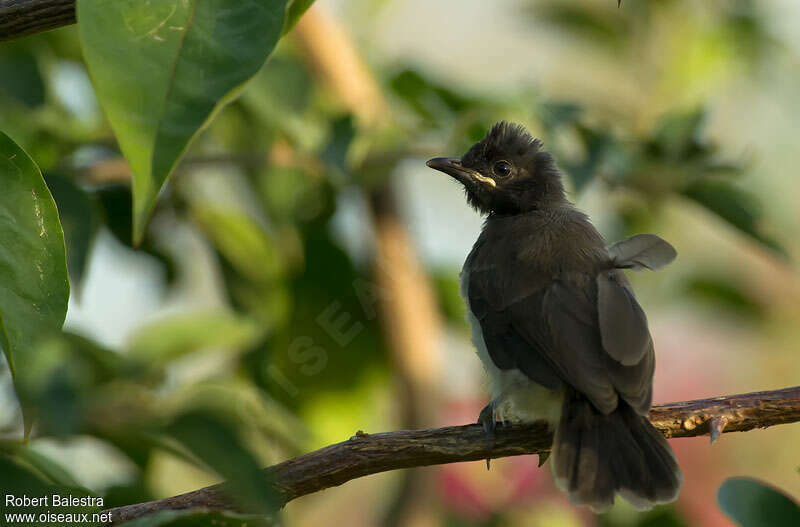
[[506, 172]]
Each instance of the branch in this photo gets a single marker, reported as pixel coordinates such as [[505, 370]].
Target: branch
[[19, 18], [366, 454]]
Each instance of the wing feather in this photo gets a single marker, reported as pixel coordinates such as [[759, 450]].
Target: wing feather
[[555, 336], [623, 324]]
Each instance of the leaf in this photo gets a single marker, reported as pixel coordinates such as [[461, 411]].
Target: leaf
[[22, 79], [334, 154], [556, 114], [34, 288], [200, 518], [115, 205], [677, 135], [575, 20], [243, 242], [17, 478], [276, 100], [724, 292], [76, 211], [217, 443], [428, 98], [49, 468], [294, 10], [178, 335], [602, 152], [251, 407], [733, 205], [753, 504], [117, 213], [52, 387], [161, 70]]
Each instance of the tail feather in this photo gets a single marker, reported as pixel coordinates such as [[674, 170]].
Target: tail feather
[[596, 456]]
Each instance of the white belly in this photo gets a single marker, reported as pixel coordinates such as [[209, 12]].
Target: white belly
[[516, 396]]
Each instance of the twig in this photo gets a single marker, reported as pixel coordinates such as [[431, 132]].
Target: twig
[[365, 454], [19, 18]]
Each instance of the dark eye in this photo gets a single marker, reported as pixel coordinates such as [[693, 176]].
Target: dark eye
[[502, 169]]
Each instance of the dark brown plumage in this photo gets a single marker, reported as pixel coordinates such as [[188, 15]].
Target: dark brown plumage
[[554, 316]]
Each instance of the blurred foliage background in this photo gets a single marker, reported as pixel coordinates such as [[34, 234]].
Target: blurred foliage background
[[299, 280]]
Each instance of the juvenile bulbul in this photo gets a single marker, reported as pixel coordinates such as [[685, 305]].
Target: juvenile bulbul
[[557, 326]]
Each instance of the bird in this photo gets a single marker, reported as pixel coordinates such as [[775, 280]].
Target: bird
[[557, 326]]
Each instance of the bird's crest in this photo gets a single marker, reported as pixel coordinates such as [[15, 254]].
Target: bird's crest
[[507, 138]]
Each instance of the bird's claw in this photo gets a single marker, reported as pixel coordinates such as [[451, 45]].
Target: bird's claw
[[486, 419], [543, 457]]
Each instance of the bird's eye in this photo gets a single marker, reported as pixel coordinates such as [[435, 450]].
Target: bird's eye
[[502, 169]]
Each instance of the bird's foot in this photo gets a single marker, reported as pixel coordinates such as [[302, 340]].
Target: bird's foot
[[487, 420]]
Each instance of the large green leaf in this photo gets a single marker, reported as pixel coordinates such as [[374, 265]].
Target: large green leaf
[[34, 288], [162, 68], [752, 504]]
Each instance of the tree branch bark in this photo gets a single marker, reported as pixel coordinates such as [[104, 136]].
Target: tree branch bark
[[365, 454], [19, 18]]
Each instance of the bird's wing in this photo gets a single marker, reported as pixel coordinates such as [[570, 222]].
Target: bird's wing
[[642, 251], [566, 332]]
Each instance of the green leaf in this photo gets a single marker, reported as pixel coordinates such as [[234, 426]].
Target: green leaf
[[217, 443], [601, 147], [248, 247], [22, 79], [556, 114], [294, 11], [117, 213], [677, 135], [733, 205], [343, 130], [277, 99], [724, 292], [18, 478], [161, 69], [178, 335], [49, 468], [753, 504], [252, 408], [427, 97], [200, 518], [76, 211], [52, 387], [574, 20], [34, 288]]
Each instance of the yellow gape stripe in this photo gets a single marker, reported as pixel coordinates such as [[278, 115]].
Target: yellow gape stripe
[[484, 179]]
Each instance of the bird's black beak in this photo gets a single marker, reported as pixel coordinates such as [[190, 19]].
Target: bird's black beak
[[452, 166]]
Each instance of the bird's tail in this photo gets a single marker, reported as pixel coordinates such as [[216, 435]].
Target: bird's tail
[[596, 456]]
